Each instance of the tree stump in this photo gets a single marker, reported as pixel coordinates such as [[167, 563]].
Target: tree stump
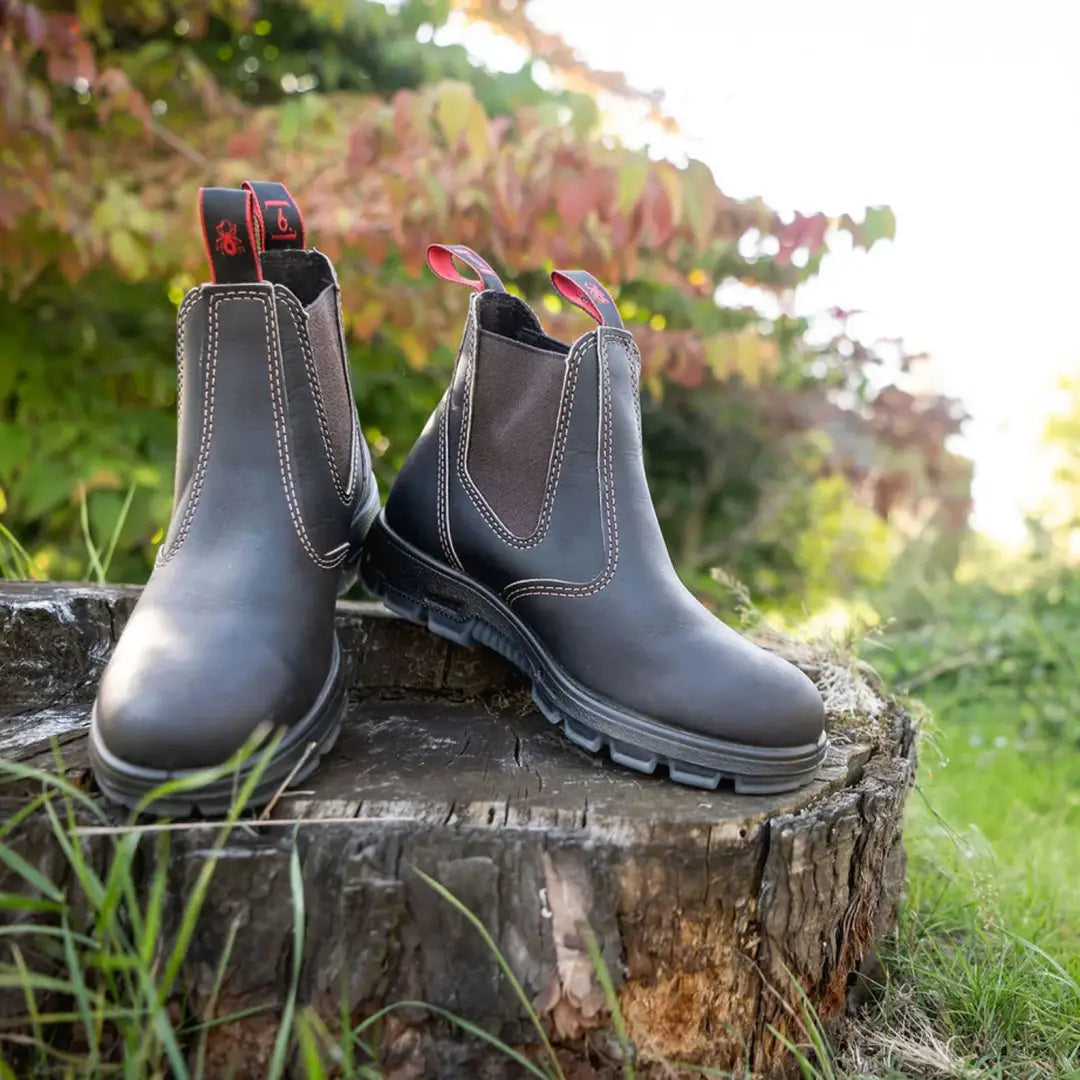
[[706, 906]]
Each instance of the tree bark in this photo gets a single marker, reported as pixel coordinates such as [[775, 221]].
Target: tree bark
[[707, 906]]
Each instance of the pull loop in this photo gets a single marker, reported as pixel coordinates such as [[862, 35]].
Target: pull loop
[[582, 289], [440, 258], [230, 231], [278, 216]]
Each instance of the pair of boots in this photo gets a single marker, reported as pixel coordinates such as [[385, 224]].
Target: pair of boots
[[521, 521]]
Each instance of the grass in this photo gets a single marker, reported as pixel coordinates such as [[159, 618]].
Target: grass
[[15, 561], [110, 991], [17, 564], [981, 979], [984, 972]]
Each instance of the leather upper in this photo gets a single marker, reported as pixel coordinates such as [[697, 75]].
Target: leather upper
[[235, 626], [594, 580]]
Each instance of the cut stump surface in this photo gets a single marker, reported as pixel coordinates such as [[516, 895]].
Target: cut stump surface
[[705, 905]]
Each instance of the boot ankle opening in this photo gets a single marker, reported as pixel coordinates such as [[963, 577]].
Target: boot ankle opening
[[509, 317], [306, 274]]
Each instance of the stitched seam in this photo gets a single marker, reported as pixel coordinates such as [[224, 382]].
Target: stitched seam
[[273, 352], [181, 335], [442, 508], [547, 506], [562, 430], [611, 516], [354, 460], [441, 482], [357, 435], [635, 356], [206, 433], [299, 318]]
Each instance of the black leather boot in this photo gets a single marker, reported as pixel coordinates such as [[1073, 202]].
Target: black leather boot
[[234, 631], [522, 520]]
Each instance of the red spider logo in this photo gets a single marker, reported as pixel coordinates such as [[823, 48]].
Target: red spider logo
[[228, 240], [596, 293]]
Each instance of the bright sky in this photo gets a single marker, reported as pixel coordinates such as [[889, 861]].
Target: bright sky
[[964, 116]]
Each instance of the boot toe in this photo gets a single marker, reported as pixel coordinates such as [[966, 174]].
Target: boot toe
[[170, 709], [758, 700], [785, 709], [727, 687]]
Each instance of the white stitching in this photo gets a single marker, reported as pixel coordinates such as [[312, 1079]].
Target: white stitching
[[611, 516], [441, 481], [330, 561], [442, 506], [181, 334], [206, 433], [300, 322], [635, 357], [354, 456], [562, 429]]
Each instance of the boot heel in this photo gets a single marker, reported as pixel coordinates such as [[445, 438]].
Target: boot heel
[[415, 590], [421, 593]]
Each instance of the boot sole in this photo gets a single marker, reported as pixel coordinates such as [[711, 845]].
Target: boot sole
[[295, 759], [418, 588]]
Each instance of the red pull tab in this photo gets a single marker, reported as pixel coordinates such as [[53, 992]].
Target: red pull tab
[[278, 215], [232, 239], [440, 257], [582, 289]]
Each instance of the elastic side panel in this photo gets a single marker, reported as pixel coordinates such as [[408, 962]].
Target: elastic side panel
[[325, 337], [515, 408]]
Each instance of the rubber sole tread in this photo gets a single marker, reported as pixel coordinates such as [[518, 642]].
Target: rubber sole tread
[[470, 631]]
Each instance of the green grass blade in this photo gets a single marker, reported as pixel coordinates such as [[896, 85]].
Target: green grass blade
[[14, 770], [120, 868], [157, 996], [26, 979], [18, 902], [612, 998], [518, 989], [284, 1032], [82, 998], [27, 983], [230, 1018], [347, 1046], [466, 1025], [150, 929], [16, 1023], [806, 1067], [114, 539], [164, 1030], [95, 566], [89, 882], [257, 749], [1060, 974], [20, 815], [815, 1031], [211, 1005], [202, 882], [20, 564], [35, 930], [310, 1049]]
